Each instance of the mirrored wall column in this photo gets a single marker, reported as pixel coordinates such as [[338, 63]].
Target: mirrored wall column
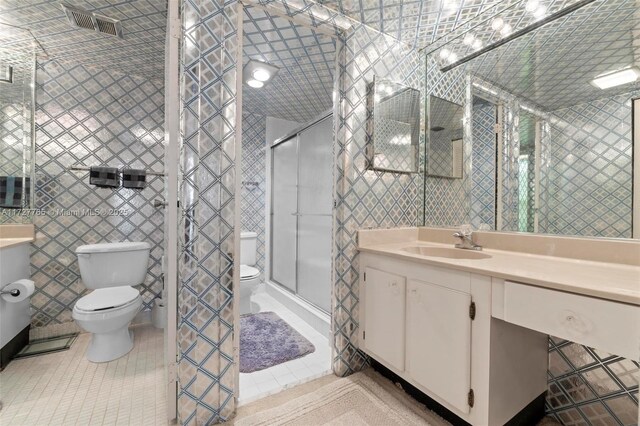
[[210, 48]]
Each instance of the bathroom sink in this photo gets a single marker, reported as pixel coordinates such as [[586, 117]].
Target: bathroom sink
[[449, 253]]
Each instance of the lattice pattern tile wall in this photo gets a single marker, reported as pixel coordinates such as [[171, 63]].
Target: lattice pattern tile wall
[[588, 386], [89, 116], [483, 174], [11, 139], [211, 49], [254, 180], [365, 198], [589, 169]]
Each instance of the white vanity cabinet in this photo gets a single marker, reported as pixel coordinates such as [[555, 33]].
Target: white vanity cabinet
[[386, 296], [432, 326], [438, 317]]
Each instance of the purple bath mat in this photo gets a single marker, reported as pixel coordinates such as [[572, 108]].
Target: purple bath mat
[[267, 340]]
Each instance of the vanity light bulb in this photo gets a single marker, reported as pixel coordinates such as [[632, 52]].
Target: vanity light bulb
[[506, 30], [531, 5], [469, 39], [540, 12], [497, 23], [255, 83], [445, 53], [453, 58], [477, 45], [261, 74]]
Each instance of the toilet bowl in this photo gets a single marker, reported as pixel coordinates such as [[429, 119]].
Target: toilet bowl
[[110, 270], [249, 275], [249, 281]]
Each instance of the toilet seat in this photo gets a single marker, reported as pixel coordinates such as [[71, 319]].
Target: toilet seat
[[107, 299], [248, 272]]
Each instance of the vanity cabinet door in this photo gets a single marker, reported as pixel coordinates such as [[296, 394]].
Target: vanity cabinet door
[[385, 317], [439, 341]]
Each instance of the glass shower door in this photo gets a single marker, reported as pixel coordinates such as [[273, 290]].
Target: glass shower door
[[284, 209], [315, 178]]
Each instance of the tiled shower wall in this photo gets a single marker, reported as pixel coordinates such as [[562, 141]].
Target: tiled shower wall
[[587, 177], [254, 180], [90, 116]]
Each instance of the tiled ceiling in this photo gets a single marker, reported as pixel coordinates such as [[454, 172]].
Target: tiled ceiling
[[553, 66], [415, 22], [303, 87], [140, 52]]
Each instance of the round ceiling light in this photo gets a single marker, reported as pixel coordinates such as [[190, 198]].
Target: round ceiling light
[[261, 74], [255, 83], [540, 12], [531, 5], [468, 39], [497, 23]]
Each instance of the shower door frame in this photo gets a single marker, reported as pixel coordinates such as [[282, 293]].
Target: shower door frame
[[269, 196]]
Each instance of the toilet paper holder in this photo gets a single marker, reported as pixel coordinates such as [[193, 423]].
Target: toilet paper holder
[[13, 292]]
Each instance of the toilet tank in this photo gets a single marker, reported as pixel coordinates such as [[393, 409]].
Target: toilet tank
[[113, 264], [248, 247]]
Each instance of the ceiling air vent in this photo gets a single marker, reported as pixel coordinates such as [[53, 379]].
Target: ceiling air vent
[[91, 21]]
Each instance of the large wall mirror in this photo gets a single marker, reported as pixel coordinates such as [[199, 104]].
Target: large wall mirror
[[550, 144], [17, 92]]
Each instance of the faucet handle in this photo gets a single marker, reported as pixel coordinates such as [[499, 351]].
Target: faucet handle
[[466, 230]]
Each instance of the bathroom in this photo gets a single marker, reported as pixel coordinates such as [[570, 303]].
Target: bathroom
[[298, 197]]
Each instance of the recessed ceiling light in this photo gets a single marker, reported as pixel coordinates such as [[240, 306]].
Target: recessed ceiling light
[[255, 83], [257, 73], [616, 78], [261, 74]]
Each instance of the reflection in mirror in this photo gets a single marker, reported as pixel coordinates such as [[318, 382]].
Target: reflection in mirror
[[527, 174], [445, 140], [17, 72], [563, 144], [396, 127]]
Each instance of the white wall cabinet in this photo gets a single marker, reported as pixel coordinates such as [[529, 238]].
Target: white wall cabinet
[[416, 320]]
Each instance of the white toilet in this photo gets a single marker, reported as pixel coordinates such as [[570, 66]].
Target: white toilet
[[249, 276], [110, 270]]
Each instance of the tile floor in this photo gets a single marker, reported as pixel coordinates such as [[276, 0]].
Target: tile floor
[[64, 388], [265, 382]]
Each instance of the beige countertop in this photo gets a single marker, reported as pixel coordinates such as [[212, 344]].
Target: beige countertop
[[10, 242], [15, 234], [611, 281]]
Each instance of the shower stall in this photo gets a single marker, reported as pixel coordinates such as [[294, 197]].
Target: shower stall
[[301, 212]]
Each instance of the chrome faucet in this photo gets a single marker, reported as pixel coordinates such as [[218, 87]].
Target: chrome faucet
[[466, 240]]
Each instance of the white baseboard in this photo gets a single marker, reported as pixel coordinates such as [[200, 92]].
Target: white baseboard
[[320, 321]]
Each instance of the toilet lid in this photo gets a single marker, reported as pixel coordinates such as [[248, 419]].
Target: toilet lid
[[107, 298], [247, 271]]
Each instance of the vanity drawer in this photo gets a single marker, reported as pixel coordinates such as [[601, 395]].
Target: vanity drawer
[[602, 324]]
